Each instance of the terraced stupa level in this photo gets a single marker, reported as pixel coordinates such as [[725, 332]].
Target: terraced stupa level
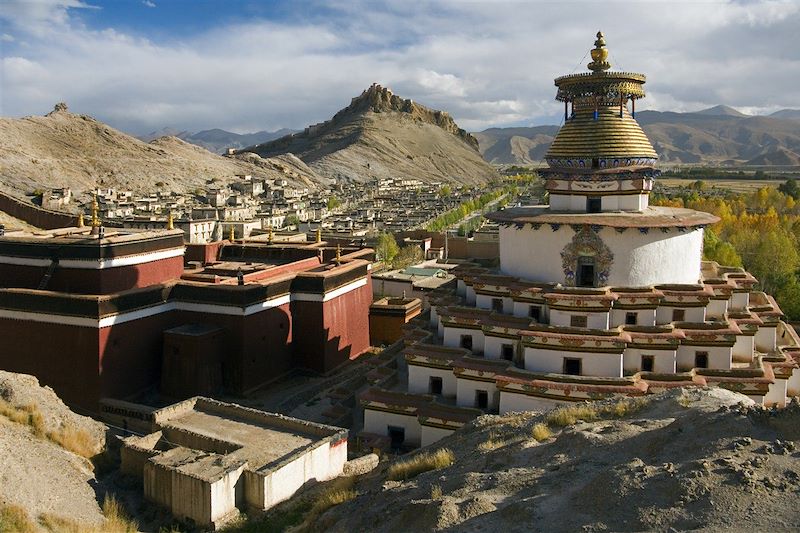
[[598, 295]]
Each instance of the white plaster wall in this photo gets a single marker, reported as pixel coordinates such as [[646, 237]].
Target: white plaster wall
[[470, 295], [639, 259], [452, 338], [740, 301], [793, 384], [776, 394], [743, 349], [523, 309], [419, 380], [663, 360], [511, 402], [223, 493], [484, 301], [644, 317], [191, 498], [493, 346], [692, 314], [719, 357], [593, 320], [431, 434], [465, 395], [717, 308], [592, 364], [461, 287], [378, 421], [765, 339], [434, 317]]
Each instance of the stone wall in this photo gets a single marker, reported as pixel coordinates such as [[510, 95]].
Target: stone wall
[[34, 215]]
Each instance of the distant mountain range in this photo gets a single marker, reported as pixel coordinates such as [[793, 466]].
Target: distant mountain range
[[64, 149], [383, 135], [718, 135], [217, 140]]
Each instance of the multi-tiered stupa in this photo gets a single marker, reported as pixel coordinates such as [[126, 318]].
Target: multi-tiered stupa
[[599, 228], [599, 295]]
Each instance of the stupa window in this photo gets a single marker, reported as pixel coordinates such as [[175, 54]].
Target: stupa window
[[481, 399], [631, 319], [648, 362], [586, 272], [594, 205], [535, 312], [678, 315], [435, 385], [466, 342], [508, 352], [572, 366], [497, 305], [577, 321], [701, 359]]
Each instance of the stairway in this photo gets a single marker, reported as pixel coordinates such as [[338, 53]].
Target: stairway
[[47, 275]]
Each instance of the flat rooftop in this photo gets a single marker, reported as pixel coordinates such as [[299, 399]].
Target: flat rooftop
[[652, 217]]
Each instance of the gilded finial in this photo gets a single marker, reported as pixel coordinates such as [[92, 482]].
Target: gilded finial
[[338, 254], [319, 235], [95, 212], [170, 221], [231, 235], [269, 235], [599, 55], [80, 220]]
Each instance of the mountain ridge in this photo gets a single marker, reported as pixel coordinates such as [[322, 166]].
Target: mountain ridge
[[718, 135], [380, 134]]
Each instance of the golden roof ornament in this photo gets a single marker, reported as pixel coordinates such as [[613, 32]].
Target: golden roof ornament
[[95, 212], [80, 220], [319, 235], [269, 235], [599, 55], [170, 221], [231, 235], [338, 254]]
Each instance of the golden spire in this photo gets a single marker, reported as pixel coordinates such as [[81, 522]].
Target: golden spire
[[95, 211], [338, 254], [170, 221], [269, 235], [319, 234], [80, 220], [231, 235], [599, 55]]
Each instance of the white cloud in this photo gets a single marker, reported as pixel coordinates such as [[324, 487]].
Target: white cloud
[[148, 3], [485, 63]]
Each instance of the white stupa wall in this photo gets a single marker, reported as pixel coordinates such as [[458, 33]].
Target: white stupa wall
[[640, 259]]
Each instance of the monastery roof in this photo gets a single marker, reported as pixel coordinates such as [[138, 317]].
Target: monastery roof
[[652, 217]]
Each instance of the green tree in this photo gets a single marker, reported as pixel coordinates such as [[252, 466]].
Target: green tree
[[387, 248], [407, 256], [790, 188], [333, 203]]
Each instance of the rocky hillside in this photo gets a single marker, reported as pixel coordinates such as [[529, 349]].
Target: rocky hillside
[[382, 135], [719, 135], [44, 446], [64, 149], [688, 459]]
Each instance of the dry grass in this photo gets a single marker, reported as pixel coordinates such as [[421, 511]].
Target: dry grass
[[27, 415], [74, 440], [436, 492], [420, 463], [116, 521], [684, 401], [541, 432], [14, 519], [340, 490], [77, 441], [566, 416]]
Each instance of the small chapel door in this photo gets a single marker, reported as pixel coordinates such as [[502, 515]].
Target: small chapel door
[[586, 272]]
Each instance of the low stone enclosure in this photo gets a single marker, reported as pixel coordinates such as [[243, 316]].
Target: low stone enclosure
[[207, 458]]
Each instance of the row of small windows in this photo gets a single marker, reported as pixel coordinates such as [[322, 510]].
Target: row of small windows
[[631, 319]]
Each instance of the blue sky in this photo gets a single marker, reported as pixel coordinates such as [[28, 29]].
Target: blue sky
[[142, 65]]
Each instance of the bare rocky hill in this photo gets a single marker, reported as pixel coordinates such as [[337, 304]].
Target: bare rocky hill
[[704, 459], [719, 135], [64, 149], [37, 474], [382, 135], [218, 140]]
